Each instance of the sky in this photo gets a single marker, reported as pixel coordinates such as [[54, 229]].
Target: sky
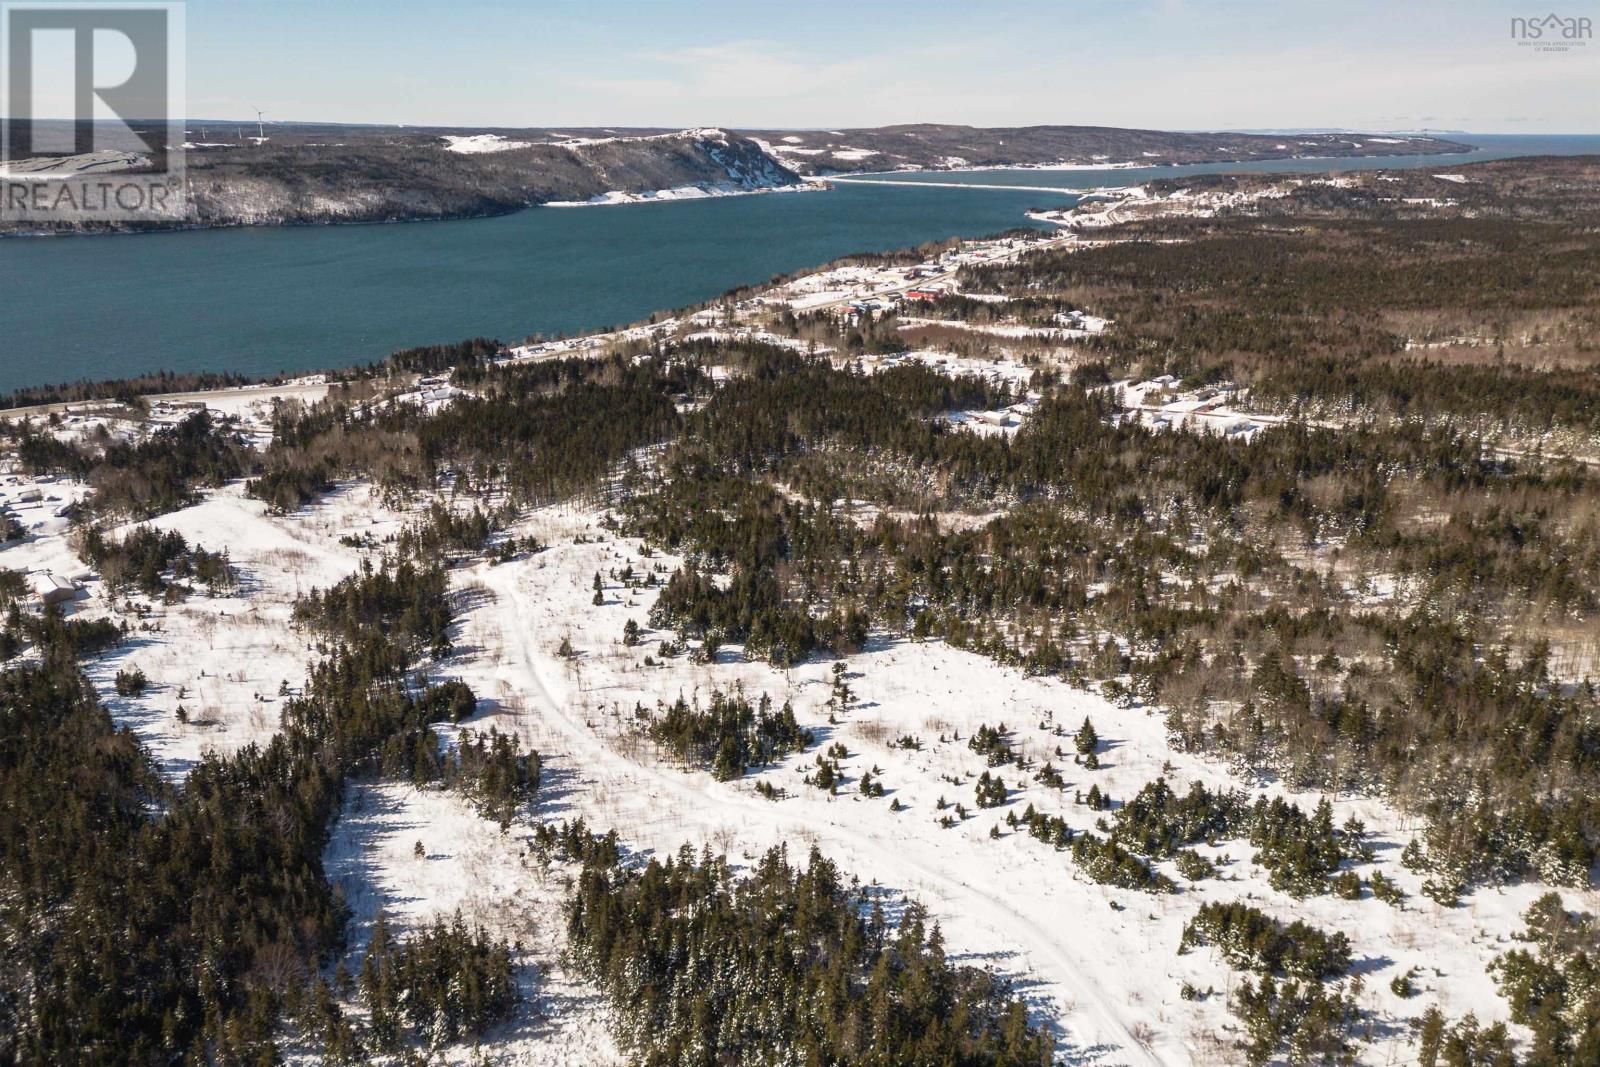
[[1165, 64]]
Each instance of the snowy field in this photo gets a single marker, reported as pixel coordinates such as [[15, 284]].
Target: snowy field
[[1098, 964]]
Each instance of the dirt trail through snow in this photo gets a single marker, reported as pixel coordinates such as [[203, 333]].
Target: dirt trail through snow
[[1047, 955]]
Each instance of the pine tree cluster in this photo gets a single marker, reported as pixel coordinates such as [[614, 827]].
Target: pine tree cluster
[[785, 966], [729, 735]]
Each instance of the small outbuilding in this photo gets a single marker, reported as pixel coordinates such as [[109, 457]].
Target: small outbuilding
[[51, 588]]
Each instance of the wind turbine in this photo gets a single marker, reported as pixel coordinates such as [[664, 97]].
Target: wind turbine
[[261, 131]]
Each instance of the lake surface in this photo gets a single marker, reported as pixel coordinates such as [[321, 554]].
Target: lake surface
[[260, 301]]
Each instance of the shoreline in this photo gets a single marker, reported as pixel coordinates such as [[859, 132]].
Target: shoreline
[[686, 194], [611, 198], [322, 380]]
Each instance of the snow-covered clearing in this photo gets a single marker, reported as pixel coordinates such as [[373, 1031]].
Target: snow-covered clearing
[[44, 168], [1161, 404], [764, 337], [1113, 206], [701, 133], [1000, 370], [222, 658], [1099, 962], [481, 143], [252, 405], [469, 866], [1096, 963], [1017, 330]]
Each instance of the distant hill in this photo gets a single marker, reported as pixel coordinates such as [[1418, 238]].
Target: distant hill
[[313, 173], [931, 146], [307, 174]]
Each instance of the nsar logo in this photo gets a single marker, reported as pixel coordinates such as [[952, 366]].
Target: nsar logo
[[1552, 33]]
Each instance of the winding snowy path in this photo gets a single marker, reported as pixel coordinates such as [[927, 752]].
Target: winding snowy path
[[1034, 932]]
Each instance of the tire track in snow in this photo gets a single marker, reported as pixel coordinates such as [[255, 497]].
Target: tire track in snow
[[1030, 935]]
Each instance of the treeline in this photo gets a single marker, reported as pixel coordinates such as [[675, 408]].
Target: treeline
[[1553, 985], [1552, 988], [1302, 853], [1319, 315], [1293, 1006], [753, 610], [492, 769], [160, 473], [1250, 940], [441, 984], [442, 359], [52, 630], [786, 966], [536, 432], [154, 562], [405, 601]]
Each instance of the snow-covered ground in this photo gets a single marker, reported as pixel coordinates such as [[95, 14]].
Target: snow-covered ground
[[41, 168], [481, 143], [1086, 326], [1162, 404], [683, 192], [855, 282], [469, 866], [252, 405], [1097, 964], [1115, 205], [222, 658]]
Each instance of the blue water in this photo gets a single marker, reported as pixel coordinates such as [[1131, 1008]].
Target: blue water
[[260, 301]]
